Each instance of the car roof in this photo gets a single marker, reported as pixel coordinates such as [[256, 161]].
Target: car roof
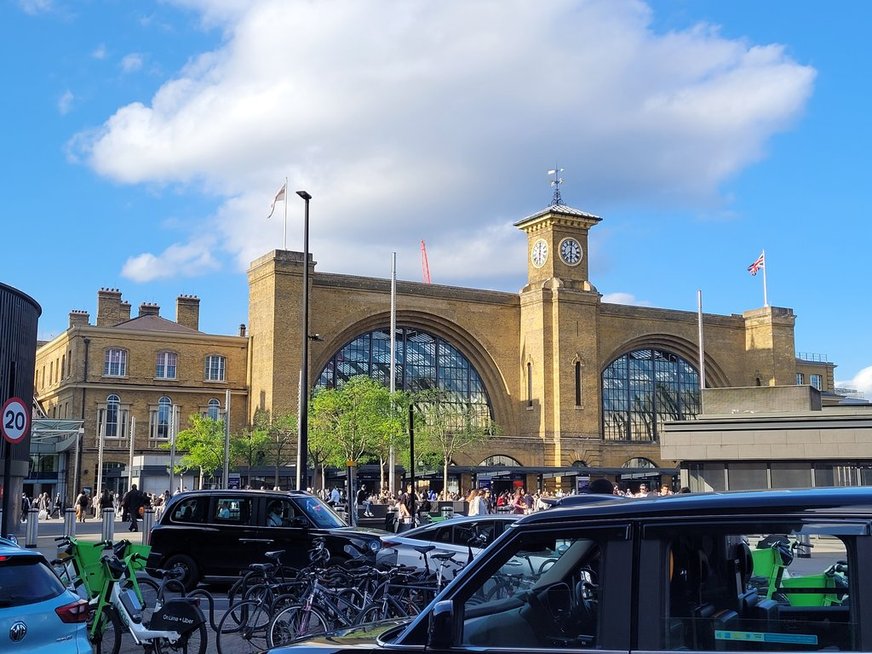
[[10, 548], [855, 501], [581, 498], [456, 520]]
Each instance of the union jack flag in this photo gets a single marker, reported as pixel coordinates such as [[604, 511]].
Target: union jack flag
[[758, 264]]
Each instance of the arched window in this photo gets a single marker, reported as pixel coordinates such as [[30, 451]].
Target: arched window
[[500, 460], [423, 361], [639, 462], [160, 423], [580, 463], [214, 409], [643, 388], [113, 404]]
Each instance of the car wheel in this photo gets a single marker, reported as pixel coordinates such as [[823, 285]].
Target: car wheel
[[186, 563]]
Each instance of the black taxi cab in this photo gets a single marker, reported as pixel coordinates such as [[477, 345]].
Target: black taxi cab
[[773, 571], [218, 533]]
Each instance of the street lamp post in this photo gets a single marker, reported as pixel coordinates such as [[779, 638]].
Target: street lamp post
[[303, 432]]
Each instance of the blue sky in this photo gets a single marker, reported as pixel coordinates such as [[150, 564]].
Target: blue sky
[[144, 143]]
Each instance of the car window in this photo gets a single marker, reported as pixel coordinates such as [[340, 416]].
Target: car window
[[318, 512], [542, 593], [779, 589], [190, 509], [478, 534], [232, 510], [26, 580], [280, 513]]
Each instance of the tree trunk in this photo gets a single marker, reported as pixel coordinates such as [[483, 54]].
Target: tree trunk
[[445, 462]]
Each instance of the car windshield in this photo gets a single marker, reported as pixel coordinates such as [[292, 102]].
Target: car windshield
[[319, 513], [26, 580]]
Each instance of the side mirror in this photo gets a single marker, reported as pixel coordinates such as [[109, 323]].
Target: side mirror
[[440, 634]]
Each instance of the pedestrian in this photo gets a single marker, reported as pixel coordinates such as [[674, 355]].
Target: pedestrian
[[83, 501], [132, 501], [25, 506]]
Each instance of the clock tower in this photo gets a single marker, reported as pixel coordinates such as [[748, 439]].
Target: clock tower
[[557, 246]]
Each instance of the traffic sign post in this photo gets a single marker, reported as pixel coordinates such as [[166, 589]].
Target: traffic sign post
[[14, 420]]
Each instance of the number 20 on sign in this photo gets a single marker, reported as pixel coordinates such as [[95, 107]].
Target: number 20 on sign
[[14, 420]]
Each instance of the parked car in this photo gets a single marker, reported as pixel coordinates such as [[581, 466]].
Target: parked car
[[38, 614], [458, 535], [218, 533], [581, 498], [692, 572]]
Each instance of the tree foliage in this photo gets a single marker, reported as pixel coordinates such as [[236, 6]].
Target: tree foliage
[[203, 444]]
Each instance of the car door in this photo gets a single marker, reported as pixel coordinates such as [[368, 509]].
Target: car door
[[582, 601], [283, 526], [228, 537], [775, 583]]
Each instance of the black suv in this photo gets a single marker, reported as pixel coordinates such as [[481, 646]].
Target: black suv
[[218, 533], [769, 571]]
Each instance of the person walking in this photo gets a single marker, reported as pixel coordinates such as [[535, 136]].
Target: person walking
[[83, 501], [132, 502]]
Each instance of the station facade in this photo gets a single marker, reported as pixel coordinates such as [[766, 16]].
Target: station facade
[[572, 381]]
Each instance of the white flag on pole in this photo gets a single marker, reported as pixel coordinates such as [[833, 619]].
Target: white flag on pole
[[279, 196]]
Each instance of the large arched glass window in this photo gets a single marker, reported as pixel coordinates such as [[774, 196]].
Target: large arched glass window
[[161, 421], [643, 388], [500, 460], [423, 361]]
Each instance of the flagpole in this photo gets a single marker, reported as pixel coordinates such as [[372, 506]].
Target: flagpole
[[285, 229], [765, 266], [392, 455], [701, 342]]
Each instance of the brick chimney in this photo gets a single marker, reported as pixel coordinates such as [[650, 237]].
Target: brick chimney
[[188, 311], [242, 329], [110, 309], [149, 309], [79, 318]]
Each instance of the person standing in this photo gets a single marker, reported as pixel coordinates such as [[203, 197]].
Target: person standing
[[132, 501]]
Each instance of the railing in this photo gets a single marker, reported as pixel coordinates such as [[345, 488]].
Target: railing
[[811, 356]]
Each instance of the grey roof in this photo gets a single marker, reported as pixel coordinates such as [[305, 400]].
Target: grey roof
[[561, 209], [155, 324]]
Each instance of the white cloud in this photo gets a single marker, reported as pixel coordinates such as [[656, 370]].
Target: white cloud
[[624, 298], [427, 120], [189, 260], [34, 7], [99, 52], [132, 62], [65, 102], [861, 382]]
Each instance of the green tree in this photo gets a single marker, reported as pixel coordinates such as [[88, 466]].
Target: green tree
[[281, 442], [248, 447], [446, 424], [203, 444], [322, 447]]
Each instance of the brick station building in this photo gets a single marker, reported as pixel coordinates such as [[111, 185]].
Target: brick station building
[[574, 383]]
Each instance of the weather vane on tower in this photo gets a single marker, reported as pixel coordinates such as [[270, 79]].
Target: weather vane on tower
[[555, 184]]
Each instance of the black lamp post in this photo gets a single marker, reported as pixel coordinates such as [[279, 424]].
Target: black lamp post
[[412, 507], [303, 437]]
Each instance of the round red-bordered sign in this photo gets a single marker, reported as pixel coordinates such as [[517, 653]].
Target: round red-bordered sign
[[14, 420]]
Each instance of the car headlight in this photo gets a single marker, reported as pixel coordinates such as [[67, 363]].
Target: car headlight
[[375, 545]]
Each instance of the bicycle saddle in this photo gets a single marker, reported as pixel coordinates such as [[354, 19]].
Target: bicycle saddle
[[442, 556], [423, 549], [275, 556]]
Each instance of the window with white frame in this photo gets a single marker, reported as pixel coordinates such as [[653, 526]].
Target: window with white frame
[[113, 418], [800, 379], [214, 409], [159, 422], [166, 365], [215, 365], [115, 363], [816, 381]]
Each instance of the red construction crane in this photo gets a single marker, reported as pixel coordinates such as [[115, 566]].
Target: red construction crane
[[425, 267]]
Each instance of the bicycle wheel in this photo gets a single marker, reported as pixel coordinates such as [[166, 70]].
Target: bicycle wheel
[[107, 637], [243, 629], [295, 622], [193, 642], [241, 585]]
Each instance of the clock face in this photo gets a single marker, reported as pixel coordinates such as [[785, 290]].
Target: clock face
[[539, 253], [570, 251]]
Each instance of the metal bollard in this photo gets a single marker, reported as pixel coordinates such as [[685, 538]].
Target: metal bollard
[[803, 550], [108, 530], [69, 522], [147, 524], [32, 532]]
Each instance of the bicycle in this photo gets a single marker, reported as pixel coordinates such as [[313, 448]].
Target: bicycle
[[174, 625]]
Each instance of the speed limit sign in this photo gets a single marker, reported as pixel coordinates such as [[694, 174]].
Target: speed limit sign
[[14, 420]]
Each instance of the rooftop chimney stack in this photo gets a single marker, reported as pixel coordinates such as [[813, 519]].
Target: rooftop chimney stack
[[242, 329], [110, 308], [79, 318], [188, 311], [149, 309]]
